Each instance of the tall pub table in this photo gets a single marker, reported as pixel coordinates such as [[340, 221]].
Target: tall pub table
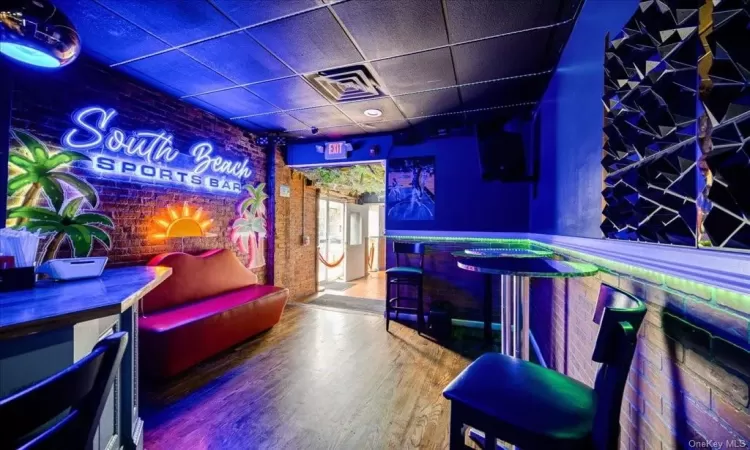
[[515, 267]]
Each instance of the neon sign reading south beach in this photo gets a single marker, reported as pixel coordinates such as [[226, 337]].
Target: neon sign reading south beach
[[150, 155]]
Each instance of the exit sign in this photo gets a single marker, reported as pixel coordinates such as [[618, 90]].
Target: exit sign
[[335, 150]]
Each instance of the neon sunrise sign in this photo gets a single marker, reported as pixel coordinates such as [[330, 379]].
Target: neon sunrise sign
[[148, 155]]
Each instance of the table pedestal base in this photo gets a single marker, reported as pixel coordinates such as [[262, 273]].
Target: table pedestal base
[[514, 311]]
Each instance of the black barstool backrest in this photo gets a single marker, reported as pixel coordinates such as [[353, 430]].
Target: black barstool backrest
[[619, 316], [78, 392], [409, 248]]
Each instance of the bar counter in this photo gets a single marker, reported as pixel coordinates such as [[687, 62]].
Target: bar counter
[[445, 282], [48, 328], [54, 304], [702, 277]]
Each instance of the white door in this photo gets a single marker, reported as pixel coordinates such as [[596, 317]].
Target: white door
[[355, 234], [331, 242]]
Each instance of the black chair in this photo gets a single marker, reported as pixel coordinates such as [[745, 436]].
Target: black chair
[[74, 396], [405, 276], [524, 404]]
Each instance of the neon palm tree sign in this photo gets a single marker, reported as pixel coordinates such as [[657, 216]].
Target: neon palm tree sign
[[39, 174]]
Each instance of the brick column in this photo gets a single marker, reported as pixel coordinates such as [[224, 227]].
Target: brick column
[[271, 211]]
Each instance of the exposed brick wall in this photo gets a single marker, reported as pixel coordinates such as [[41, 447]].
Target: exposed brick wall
[[295, 264], [42, 104], [689, 378]]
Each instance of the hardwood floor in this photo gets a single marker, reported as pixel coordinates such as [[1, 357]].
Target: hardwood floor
[[320, 379], [372, 286]]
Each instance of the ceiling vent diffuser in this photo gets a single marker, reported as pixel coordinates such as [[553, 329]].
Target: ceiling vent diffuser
[[346, 84]]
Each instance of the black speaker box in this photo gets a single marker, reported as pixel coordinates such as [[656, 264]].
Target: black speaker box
[[502, 154]]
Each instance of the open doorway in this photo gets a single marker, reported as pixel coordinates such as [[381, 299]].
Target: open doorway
[[351, 228], [350, 242], [330, 241]]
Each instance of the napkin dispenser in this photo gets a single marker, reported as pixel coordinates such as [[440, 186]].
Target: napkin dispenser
[[17, 278], [73, 268]]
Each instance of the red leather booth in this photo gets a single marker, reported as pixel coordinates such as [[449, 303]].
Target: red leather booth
[[209, 303]]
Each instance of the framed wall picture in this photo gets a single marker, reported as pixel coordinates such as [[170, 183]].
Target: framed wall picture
[[410, 188]]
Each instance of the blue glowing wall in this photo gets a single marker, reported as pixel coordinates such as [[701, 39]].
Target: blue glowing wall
[[569, 198], [464, 202]]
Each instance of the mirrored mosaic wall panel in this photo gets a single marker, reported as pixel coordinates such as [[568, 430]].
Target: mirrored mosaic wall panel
[[651, 116], [724, 201], [676, 155]]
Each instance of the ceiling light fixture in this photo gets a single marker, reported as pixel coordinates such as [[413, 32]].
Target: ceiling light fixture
[[36, 33], [373, 112]]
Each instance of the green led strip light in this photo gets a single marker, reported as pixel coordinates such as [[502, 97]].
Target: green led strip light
[[527, 242], [513, 251], [731, 299]]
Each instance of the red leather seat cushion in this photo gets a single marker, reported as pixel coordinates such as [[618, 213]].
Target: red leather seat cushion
[[196, 278], [175, 339]]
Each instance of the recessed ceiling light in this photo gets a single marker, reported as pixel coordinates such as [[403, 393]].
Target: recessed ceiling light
[[373, 112]]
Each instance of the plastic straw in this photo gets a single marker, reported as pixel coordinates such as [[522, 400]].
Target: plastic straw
[[22, 245]]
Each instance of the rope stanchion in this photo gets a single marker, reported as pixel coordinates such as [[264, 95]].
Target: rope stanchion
[[371, 256], [328, 264]]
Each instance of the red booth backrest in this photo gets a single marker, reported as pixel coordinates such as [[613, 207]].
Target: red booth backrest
[[196, 278]]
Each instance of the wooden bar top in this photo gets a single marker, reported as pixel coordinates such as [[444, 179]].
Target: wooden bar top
[[53, 304]]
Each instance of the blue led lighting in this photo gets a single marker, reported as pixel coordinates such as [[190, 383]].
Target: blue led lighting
[[28, 55], [93, 130]]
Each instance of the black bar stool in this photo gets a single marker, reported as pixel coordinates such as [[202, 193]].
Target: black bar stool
[[81, 389], [405, 276], [524, 404]]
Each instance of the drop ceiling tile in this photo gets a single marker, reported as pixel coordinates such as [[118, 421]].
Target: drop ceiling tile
[[386, 28], [251, 12], [431, 125], [238, 57], [176, 22], [145, 79], [559, 39], [180, 72], [103, 32], [356, 110], [502, 57], [429, 103], [499, 115], [275, 122], [321, 117], [476, 19], [384, 127], [417, 72], [308, 42], [338, 132], [289, 93], [195, 101], [327, 133], [237, 102], [301, 134], [498, 93]]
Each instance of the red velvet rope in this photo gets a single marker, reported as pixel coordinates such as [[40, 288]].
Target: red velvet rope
[[326, 263]]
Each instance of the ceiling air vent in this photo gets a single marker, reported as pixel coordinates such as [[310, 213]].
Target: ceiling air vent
[[346, 84]]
